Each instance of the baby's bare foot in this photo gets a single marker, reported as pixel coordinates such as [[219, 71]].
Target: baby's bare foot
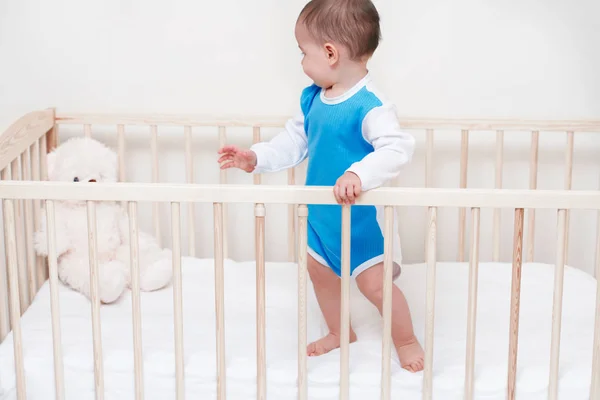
[[411, 355], [326, 344]]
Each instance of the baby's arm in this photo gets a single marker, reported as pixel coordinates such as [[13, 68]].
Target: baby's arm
[[392, 148], [288, 149]]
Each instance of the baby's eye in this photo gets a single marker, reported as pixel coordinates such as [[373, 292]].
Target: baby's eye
[[76, 179]]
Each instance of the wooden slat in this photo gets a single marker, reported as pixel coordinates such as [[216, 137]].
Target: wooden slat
[[429, 159], [177, 298], [14, 299], [121, 152], [388, 267], [46, 143], [220, 299], [462, 216], [292, 220], [472, 306], [568, 185], [29, 230], [256, 139], [155, 178], [136, 307], [431, 249], [95, 300], [4, 294], [498, 185], [302, 305], [595, 384], [22, 269], [261, 361], [345, 307], [59, 380], [189, 174], [557, 305], [35, 175], [515, 302], [533, 167], [223, 181]]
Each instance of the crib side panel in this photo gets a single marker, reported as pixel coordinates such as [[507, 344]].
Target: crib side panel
[[455, 153], [23, 148]]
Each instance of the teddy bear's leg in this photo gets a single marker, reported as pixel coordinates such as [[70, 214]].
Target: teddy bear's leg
[[74, 270], [155, 264], [112, 281]]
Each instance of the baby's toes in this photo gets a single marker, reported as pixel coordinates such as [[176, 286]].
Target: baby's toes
[[416, 366]]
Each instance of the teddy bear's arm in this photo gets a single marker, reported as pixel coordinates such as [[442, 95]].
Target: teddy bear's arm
[[40, 238]]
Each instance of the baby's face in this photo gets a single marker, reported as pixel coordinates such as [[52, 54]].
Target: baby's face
[[316, 63]]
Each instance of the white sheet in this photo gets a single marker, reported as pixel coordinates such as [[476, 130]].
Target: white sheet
[[365, 355]]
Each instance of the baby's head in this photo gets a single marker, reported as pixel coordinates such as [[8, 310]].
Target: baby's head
[[334, 35]]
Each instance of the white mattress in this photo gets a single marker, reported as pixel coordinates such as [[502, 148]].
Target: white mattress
[[365, 355]]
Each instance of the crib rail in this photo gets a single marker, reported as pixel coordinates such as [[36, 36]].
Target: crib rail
[[275, 194], [432, 126], [432, 199]]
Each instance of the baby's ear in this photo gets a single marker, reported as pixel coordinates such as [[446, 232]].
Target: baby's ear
[[50, 163]]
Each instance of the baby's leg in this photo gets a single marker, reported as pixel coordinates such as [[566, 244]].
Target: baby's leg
[[410, 353], [328, 291]]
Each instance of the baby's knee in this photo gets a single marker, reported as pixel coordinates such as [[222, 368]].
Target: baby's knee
[[371, 288]]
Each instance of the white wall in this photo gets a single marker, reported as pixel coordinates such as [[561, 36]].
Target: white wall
[[529, 59]]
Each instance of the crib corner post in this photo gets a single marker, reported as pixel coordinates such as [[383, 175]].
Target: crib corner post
[[52, 134]]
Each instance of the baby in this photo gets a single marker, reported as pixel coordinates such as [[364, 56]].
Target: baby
[[351, 137]]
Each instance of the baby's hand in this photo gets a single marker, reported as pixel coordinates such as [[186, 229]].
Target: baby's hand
[[233, 156], [347, 188]]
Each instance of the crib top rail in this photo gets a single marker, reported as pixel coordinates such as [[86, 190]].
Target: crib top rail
[[277, 194], [501, 124], [170, 120], [276, 122], [22, 133]]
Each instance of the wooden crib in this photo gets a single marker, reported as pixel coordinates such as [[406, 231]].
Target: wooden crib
[[23, 149]]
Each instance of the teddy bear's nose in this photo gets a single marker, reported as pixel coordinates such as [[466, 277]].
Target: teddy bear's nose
[[92, 180]]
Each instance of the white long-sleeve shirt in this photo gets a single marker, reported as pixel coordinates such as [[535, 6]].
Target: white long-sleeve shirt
[[357, 132]]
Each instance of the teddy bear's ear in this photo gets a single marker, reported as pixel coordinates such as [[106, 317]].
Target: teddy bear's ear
[[50, 162]]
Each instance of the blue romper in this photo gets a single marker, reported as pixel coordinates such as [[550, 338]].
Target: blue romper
[[338, 135]]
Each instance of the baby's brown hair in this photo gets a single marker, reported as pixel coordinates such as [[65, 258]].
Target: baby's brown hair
[[352, 23]]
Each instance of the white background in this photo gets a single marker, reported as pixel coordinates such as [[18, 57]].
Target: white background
[[526, 59]]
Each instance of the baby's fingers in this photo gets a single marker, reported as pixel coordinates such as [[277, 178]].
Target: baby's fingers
[[350, 193], [230, 148], [336, 193], [226, 157], [343, 193], [356, 190], [229, 164]]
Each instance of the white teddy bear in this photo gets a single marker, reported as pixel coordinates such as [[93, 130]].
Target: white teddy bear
[[87, 160]]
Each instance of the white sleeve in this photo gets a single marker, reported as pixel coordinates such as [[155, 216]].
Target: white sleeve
[[392, 148], [288, 149]]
